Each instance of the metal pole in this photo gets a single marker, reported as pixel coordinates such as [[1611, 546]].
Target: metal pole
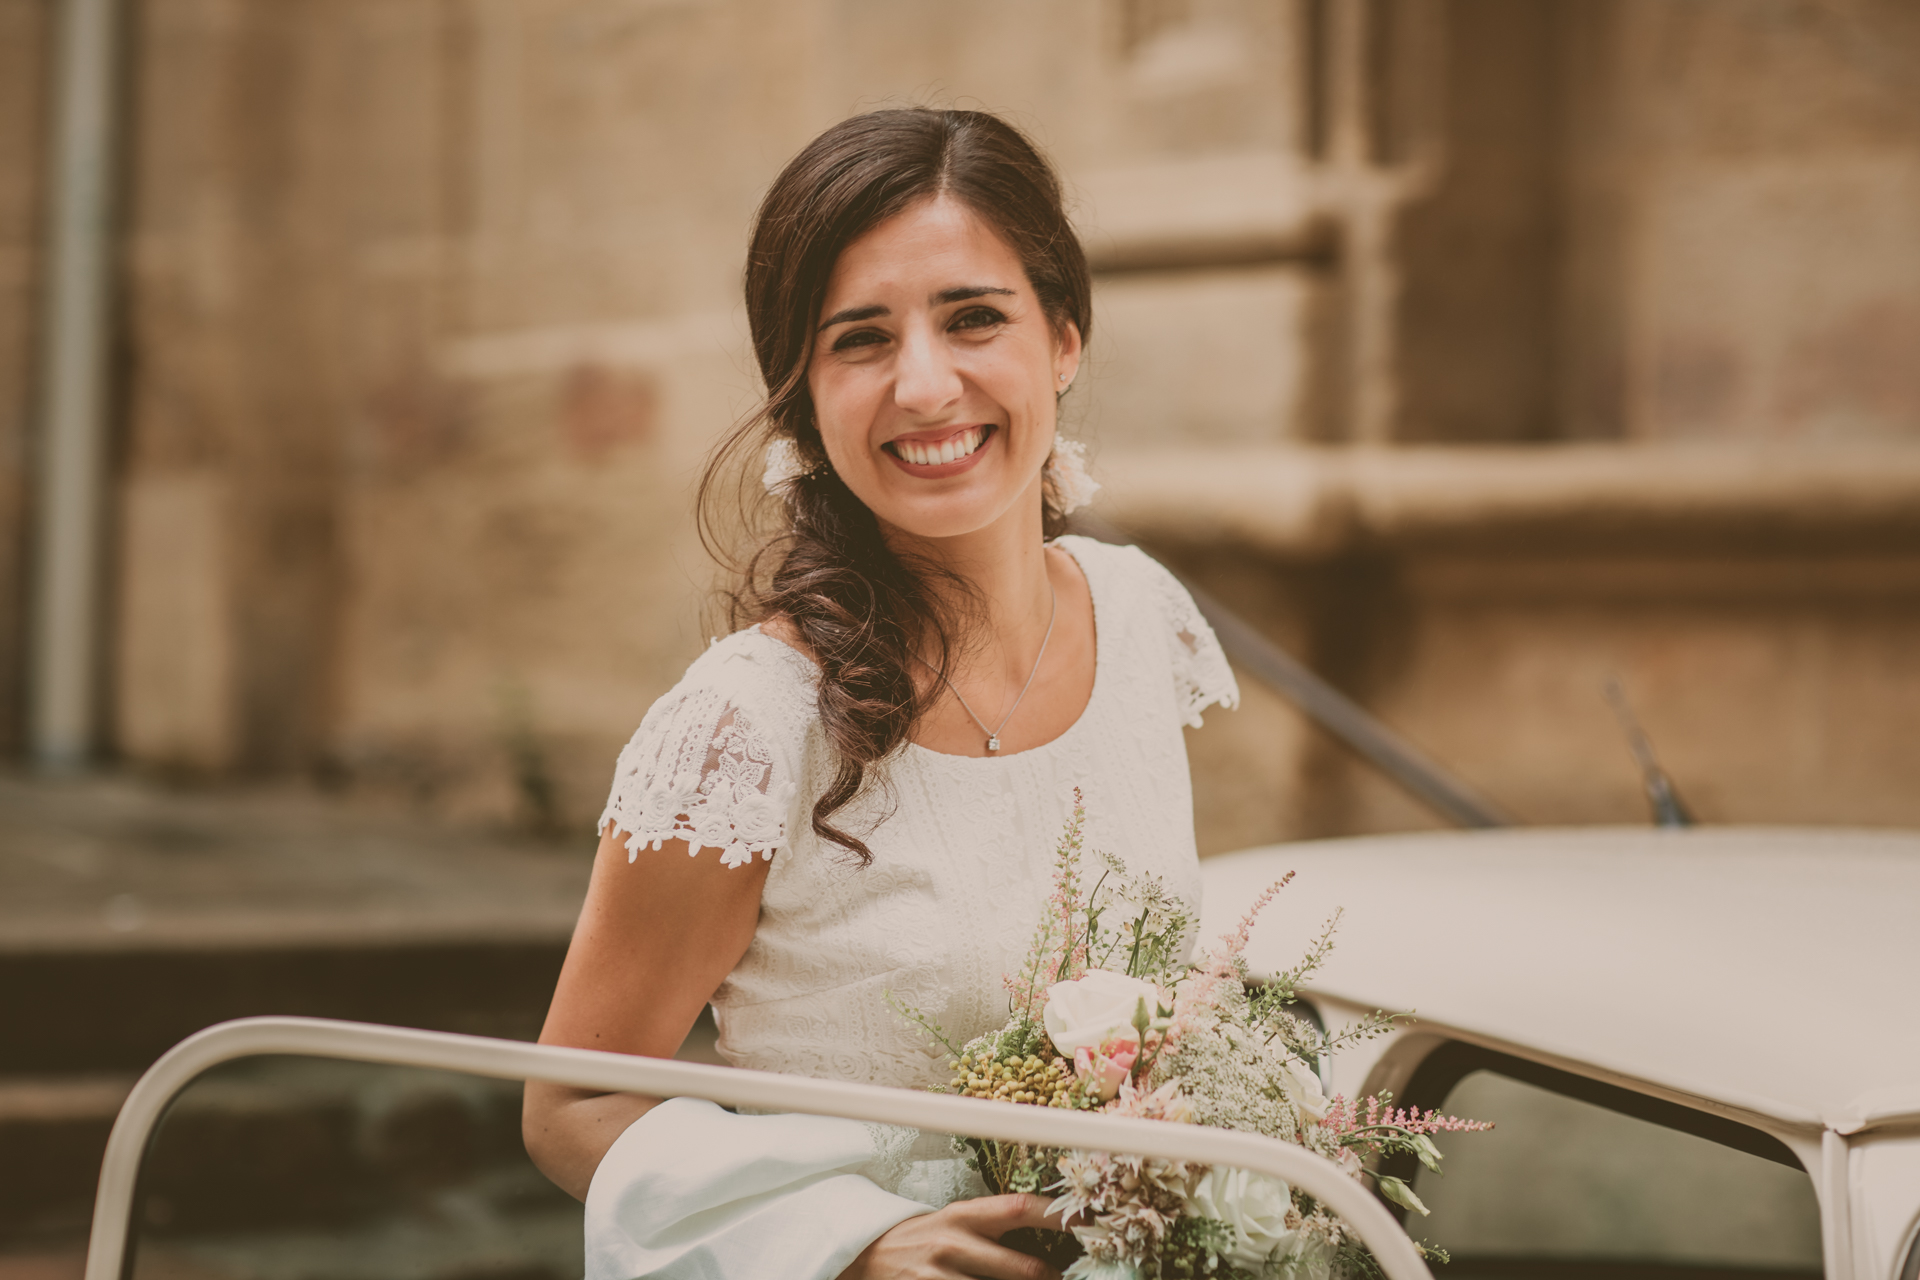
[[69, 500], [1349, 723], [1347, 720]]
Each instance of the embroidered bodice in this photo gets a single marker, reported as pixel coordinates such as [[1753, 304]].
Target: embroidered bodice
[[732, 759]]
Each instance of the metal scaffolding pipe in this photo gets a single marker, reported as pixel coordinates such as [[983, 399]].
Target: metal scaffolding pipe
[[69, 500]]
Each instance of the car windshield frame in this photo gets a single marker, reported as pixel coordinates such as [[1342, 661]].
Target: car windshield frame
[[1454, 1060]]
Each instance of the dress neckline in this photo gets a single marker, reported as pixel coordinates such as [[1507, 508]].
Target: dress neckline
[[1068, 544]]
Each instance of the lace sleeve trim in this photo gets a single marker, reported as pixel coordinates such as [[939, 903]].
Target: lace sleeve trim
[[700, 770], [1201, 676]]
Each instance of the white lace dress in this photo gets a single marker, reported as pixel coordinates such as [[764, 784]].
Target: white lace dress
[[733, 757]]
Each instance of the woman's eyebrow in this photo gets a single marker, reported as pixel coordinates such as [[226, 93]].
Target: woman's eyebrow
[[943, 298], [946, 296], [850, 315]]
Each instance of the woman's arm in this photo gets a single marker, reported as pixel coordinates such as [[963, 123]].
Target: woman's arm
[[656, 937]]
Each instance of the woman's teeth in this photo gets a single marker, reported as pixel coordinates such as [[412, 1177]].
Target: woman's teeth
[[952, 449]]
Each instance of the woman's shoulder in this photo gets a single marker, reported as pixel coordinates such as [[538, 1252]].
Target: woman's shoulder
[[1128, 581], [749, 681], [1128, 576], [753, 661], [717, 759]]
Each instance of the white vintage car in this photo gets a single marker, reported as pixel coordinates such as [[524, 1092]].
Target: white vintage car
[[1701, 1048]]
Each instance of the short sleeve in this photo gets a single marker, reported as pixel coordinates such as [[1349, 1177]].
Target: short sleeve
[[1201, 676], [708, 765]]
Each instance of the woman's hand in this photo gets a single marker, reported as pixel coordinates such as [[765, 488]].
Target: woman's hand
[[960, 1242]]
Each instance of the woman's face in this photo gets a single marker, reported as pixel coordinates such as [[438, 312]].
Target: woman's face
[[934, 373]]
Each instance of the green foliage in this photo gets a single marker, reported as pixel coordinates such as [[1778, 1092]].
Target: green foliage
[[922, 1021], [1020, 1038], [1354, 1261], [1154, 926], [1074, 935], [1283, 987], [1401, 1194], [1011, 1166], [1199, 1247], [1374, 1025]]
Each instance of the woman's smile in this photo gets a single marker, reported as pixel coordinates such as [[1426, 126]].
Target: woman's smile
[[942, 452], [934, 371]]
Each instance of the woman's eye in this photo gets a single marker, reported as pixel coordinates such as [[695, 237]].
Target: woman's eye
[[858, 338], [978, 318]]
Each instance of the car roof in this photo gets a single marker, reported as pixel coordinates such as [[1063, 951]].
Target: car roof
[[1772, 970]]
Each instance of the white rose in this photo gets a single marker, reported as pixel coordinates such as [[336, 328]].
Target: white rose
[[1086, 1267], [1253, 1204], [1303, 1090], [1309, 1260], [1083, 1013]]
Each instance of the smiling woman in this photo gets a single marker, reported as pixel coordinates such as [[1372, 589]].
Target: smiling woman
[[880, 757]]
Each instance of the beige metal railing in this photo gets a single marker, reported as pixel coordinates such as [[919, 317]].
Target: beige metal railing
[[108, 1254]]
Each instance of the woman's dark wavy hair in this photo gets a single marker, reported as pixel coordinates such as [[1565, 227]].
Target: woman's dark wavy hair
[[861, 610]]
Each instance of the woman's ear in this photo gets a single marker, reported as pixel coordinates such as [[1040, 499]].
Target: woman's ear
[[1066, 358]]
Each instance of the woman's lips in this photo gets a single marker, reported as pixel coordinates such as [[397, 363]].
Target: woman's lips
[[947, 455]]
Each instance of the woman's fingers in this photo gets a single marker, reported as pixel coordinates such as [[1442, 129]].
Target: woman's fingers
[[960, 1242], [985, 1221], [994, 1216], [979, 1259]]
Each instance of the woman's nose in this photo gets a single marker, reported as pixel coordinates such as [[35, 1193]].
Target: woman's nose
[[925, 380]]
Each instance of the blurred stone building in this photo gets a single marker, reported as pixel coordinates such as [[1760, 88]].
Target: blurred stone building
[[1478, 349]]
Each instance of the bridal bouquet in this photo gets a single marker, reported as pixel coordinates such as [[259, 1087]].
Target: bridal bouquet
[[1107, 1015]]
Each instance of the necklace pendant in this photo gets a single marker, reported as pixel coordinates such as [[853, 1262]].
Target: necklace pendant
[[993, 742]]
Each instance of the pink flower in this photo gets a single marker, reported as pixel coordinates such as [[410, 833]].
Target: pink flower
[[1164, 1103], [1351, 1126], [1102, 1071], [1200, 991], [1236, 941]]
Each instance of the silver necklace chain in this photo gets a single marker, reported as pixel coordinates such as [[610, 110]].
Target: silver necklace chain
[[993, 735]]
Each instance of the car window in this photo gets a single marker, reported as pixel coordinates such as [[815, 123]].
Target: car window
[[294, 1168], [1564, 1187]]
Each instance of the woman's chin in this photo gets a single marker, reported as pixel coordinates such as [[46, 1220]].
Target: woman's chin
[[951, 516]]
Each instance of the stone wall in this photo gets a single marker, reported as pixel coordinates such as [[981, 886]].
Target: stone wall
[[433, 314], [436, 307], [1741, 189], [1760, 609]]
